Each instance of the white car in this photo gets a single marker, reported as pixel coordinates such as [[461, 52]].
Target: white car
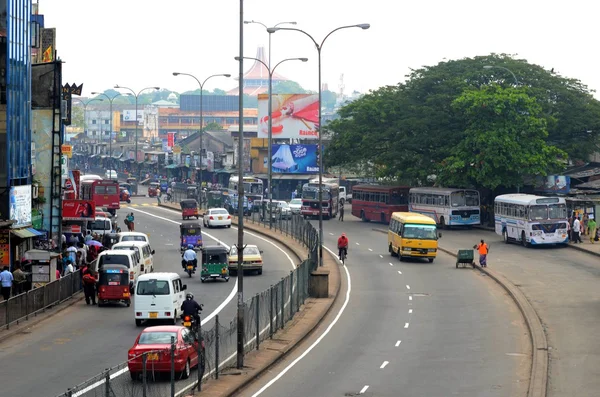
[[111, 174], [286, 211], [296, 205], [217, 217]]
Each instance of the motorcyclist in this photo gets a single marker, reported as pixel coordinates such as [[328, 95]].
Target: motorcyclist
[[190, 307], [189, 256], [343, 245]]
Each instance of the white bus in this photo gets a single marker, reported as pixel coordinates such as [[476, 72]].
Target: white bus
[[530, 219], [253, 191], [446, 206]]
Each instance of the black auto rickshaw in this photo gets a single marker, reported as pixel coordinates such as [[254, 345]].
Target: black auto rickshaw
[[189, 209], [192, 192], [190, 234], [133, 185], [110, 239], [113, 285], [215, 263]]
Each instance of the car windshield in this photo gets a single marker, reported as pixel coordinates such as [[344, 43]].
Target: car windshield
[[423, 232], [247, 251], [156, 338], [152, 287], [134, 238], [113, 260], [296, 201], [219, 212], [283, 204]]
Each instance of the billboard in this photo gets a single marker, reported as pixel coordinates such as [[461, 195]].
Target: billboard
[[78, 210], [20, 206], [554, 184], [129, 115], [295, 116], [294, 159]]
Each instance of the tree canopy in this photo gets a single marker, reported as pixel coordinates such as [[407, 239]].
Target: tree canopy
[[436, 123]]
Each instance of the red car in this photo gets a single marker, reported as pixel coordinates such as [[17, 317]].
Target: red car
[[158, 341]]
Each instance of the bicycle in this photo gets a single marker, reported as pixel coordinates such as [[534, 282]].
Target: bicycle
[[343, 257]]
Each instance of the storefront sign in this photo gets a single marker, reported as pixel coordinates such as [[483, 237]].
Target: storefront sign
[[78, 210], [20, 206], [75, 229], [36, 219], [67, 150], [4, 247]]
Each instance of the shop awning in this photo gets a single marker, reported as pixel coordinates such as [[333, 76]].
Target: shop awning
[[26, 232]]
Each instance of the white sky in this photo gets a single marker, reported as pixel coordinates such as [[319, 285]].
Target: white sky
[[139, 43]]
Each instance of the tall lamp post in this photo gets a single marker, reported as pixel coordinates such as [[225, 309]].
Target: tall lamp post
[[136, 119], [266, 27], [111, 122], [85, 104], [270, 132], [201, 84], [319, 48]]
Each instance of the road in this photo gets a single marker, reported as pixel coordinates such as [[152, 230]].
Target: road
[[409, 328], [82, 341]]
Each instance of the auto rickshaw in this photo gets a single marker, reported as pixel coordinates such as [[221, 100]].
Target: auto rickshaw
[[110, 239], [124, 194], [164, 184], [133, 185], [192, 192], [113, 285], [153, 189], [215, 199], [189, 209], [190, 233], [215, 263]]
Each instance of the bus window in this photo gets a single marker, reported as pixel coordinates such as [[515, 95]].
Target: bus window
[[99, 190], [111, 189]]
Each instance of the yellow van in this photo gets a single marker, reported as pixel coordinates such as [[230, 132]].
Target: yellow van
[[412, 235]]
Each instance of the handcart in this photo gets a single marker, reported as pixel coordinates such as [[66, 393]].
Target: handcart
[[465, 257]]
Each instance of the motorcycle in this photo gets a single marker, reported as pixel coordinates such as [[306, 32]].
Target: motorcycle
[[189, 267], [190, 321]]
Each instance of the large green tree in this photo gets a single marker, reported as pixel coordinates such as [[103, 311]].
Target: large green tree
[[405, 131]]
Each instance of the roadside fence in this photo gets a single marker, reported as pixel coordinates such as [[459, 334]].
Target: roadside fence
[[265, 313], [21, 307]]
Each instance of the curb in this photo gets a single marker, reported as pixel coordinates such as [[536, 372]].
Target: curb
[[538, 379], [5, 335]]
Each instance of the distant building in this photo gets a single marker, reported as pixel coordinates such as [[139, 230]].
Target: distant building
[[256, 80]]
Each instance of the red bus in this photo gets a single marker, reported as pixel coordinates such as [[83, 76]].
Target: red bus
[[310, 200], [377, 202], [103, 193]]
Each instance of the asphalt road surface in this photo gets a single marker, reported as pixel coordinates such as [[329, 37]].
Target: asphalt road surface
[[82, 341], [409, 329]]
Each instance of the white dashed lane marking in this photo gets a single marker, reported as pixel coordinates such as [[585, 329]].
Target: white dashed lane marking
[[357, 244], [407, 286], [410, 298], [385, 363], [399, 272], [398, 343], [405, 325], [370, 250], [381, 256], [364, 389], [409, 311]]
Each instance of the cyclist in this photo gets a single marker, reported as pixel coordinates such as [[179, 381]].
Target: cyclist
[[343, 245], [189, 256], [190, 307]]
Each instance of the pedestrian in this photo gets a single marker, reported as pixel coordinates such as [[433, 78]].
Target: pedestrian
[[131, 222], [577, 231], [68, 267], [6, 282], [19, 279], [584, 224], [592, 229], [158, 195], [88, 236], [483, 250], [341, 212], [57, 274], [89, 287], [72, 252]]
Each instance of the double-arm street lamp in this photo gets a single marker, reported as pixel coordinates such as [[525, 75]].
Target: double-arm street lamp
[[201, 84], [320, 126], [503, 68], [85, 104], [270, 132], [266, 27], [111, 122]]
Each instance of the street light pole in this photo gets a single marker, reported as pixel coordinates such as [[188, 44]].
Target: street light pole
[[136, 119], [270, 131], [319, 47], [201, 84], [111, 123], [85, 104]]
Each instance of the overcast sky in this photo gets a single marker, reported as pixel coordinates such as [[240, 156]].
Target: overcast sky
[[139, 43]]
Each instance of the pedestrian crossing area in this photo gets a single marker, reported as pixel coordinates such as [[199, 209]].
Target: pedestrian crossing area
[[139, 205]]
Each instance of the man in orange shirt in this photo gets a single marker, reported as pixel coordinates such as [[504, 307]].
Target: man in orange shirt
[[483, 250]]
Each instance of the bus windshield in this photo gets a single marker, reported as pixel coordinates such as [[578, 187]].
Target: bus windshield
[[422, 232], [538, 212], [557, 211], [465, 199], [252, 188], [310, 194]]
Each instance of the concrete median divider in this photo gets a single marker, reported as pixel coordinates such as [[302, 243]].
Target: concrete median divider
[[538, 379], [325, 283]]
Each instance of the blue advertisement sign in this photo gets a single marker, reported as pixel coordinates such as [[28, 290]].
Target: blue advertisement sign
[[294, 159], [165, 146], [554, 184]]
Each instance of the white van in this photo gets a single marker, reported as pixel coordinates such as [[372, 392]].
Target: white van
[[133, 236], [121, 257], [145, 254], [100, 225], [158, 296]]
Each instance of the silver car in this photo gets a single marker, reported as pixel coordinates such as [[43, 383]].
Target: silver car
[[295, 205], [286, 211]]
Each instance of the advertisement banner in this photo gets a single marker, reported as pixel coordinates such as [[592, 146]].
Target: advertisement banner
[[294, 159], [553, 184], [4, 247], [170, 139], [129, 115], [295, 116], [165, 146], [20, 206], [67, 150], [78, 210]]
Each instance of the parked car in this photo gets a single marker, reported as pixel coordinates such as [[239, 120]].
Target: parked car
[[156, 343], [217, 217], [296, 205]]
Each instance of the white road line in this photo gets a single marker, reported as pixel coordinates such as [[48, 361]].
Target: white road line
[[363, 390], [409, 311], [405, 325], [410, 298], [331, 234], [385, 363], [391, 264], [370, 250], [407, 286], [381, 256], [399, 272], [398, 343], [335, 320], [357, 244], [169, 244]]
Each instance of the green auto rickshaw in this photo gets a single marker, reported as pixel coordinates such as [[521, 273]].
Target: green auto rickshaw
[[215, 263], [215, 199]]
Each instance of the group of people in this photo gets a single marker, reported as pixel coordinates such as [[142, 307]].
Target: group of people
[[12, 283], [581, 226]]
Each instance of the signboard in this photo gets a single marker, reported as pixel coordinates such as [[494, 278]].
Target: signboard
[[129, 115], [64, 167], [20, 206], [4, 247], [78, 210], [75, 228], [553, 184], [295, 116], [36, 219], [170, 139], [165, 145], [294, 159], [67, 150]]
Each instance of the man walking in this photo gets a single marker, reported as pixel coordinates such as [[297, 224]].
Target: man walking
[[577, 231], [89, 287], [483, 250], [341, 219], [6, 281]]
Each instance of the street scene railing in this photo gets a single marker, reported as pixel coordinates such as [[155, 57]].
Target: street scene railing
[[28, 304], [265, 313]]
